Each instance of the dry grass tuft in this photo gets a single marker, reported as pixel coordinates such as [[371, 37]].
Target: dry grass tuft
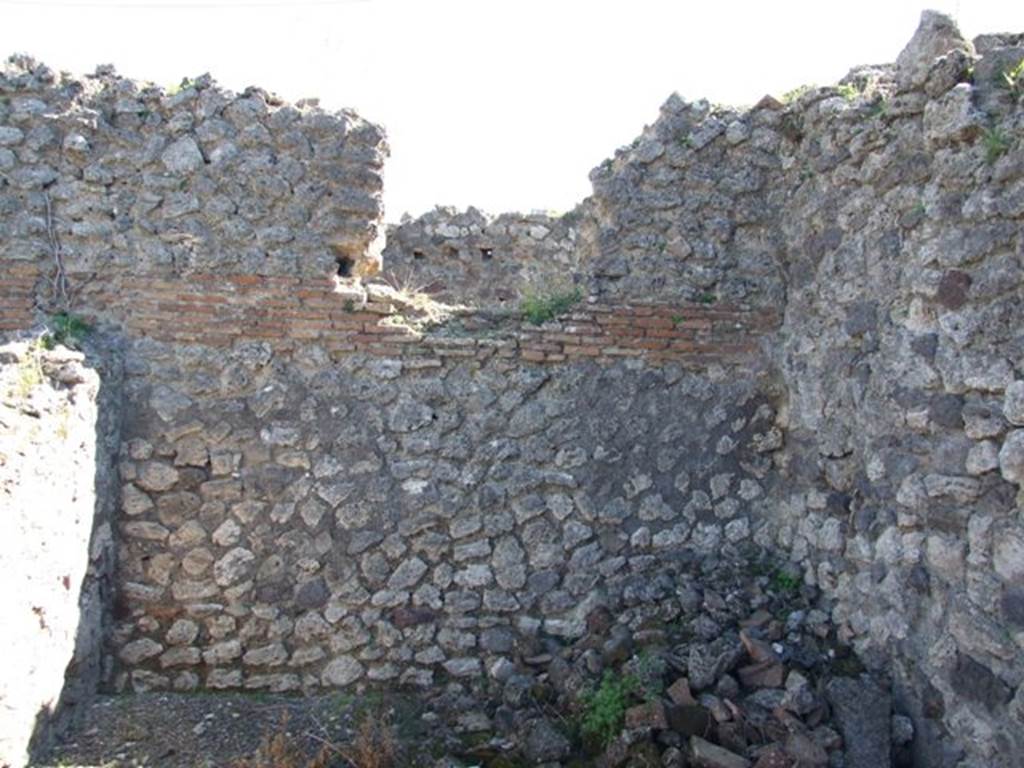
[[415, 308], [374, 744], [279, 750]]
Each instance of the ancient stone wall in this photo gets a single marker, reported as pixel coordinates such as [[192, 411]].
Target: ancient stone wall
[[885, 216], [293, 521], [112, 177], [58, 442], [798, 326], [902, 352], [473, 258]]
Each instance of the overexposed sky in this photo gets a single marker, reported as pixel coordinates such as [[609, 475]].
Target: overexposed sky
[[503, 104]]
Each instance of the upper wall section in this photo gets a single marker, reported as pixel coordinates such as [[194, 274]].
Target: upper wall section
[[108, 175], [690, 207], [701, 205], [472, 257]]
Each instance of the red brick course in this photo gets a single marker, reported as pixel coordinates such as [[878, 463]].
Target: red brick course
[[219, 310]]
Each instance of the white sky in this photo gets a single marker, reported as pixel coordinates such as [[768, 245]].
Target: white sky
[[505, 104]]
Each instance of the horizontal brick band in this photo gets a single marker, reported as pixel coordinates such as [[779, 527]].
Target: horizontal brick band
[[219, 310]]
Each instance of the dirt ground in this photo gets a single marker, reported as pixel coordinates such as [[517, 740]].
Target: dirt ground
[[204, 730]]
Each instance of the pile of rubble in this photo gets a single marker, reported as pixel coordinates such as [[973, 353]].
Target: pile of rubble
[[709, 666], [706, 663]]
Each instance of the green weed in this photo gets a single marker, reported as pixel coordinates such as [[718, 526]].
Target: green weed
[[790, 96], [647, 671], [539, 308], [785, 582], [1013, 79], [996, 142], [848, 91], [605, 709], [67, 329]]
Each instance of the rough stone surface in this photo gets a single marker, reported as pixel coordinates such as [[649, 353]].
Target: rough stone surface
[[815, 312], [864, 712], [544, 743], [1011, 457], [1013, 403], [58, 492]]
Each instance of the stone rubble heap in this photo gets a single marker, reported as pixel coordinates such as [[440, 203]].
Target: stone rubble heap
[[723, 668]]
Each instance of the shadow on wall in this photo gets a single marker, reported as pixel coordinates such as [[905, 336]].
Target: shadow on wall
[[59, 429]]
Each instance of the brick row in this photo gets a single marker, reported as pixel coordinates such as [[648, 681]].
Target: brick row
[[219, 310]]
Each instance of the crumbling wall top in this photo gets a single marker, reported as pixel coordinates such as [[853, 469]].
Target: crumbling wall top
[[189, 179]]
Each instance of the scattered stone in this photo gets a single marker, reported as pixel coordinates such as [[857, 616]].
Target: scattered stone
[[690, 720], [765, 674], [543, 743], [864, 713], [774, 756], [805, 751], [650, 715], [704, 754], [680, 693]]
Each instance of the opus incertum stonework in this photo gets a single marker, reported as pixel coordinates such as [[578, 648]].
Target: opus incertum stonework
[[796, 327]]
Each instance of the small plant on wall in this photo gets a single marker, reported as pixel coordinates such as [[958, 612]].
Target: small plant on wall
[[1012, 79], [67, 329], [538, 308], [996, 142]]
